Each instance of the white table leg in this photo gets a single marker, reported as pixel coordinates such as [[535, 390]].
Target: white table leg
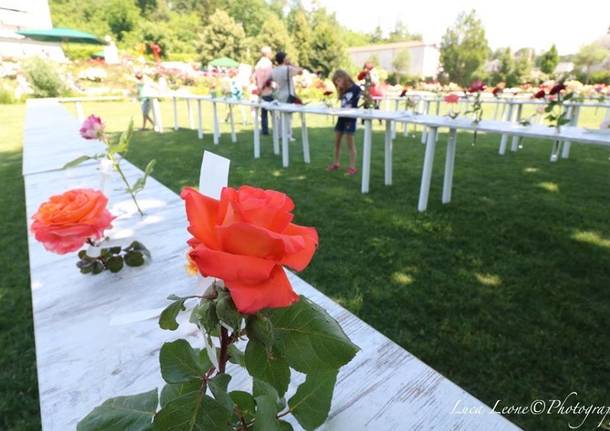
[[285, 150], [515, 143], [232, 123], [275, 126], [388, 149], [156, 110], [504, 139], [575, 113], [190, 114], [175, 103], [366, 155], [216, 126], [449, 164], [199, 120], [424, 132], [426, 175], [79, 111], [305, 139], [257, 134], [396, 107]]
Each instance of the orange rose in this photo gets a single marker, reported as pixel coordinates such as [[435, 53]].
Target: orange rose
[[244, 239], [66, 221]]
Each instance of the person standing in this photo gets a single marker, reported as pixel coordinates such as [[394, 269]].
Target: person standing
[[144, 91], [282, 75], [262, 75]]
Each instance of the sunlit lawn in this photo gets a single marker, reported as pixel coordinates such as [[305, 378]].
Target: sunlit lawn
[[504, 291]]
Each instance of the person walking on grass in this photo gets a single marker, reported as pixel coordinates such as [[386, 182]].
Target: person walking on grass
[[262, 76], [144, 90], [349, 94]]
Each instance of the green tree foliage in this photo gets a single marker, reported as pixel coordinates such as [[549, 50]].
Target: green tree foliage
[[401, 62], [589, 56], [121, 16], [44, 78], [222, 37], [401, 33], [549, 60], [327, 47], [275, 34], [464, 48], [251, 14], [300, 29]]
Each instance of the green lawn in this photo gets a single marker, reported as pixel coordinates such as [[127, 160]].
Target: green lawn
[[504, 291]]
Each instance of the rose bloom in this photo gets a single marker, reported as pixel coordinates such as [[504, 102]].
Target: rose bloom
[[244, 239], [557, 88], [496, 91], [92, 128], [66, 221], [476, 86], [362, 75], [452, 98], [540, 94], [369, 66]]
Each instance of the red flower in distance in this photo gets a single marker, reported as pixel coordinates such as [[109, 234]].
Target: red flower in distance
[[245, 239], [540, 94], [362, 75], [557, 88], [476, 86], [497, 90], [452, 98]]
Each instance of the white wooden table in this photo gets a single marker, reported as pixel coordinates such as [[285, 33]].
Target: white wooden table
[[98, 337]]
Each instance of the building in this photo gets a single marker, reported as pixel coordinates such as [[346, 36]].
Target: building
[[18, 15], [423, 58]]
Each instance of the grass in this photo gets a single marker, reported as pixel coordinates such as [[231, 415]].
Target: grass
[[504, 291]]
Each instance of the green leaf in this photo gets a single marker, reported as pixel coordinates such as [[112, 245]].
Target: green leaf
[[180, 363], [130, 413], [134, 258], [167, 320], [97, 267], [267, 366], [114, 250], [260, 328], [122, 144], [310, 339], [285, 426], [236, 356], [205, 316], [262, 388], [266, 414], [218, 385], [141, 182], [311, 402], [114, 263], [77, 161], [226, 311], [193, 411], [171, 391], [244, 402]]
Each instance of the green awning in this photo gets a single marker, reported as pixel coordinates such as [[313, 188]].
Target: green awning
[[62, 35], [224, 62]]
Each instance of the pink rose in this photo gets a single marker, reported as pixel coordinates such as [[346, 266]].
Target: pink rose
[[476, 86], [452, 98], [92, 128]]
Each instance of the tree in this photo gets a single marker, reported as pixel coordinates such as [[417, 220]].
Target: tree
[[377, 35], [589, 56], [549, 60], [299, 27], [401, 61], [275, 35], [122, 17], [251, 14], [401, 33], [464, 48], [521, 69], [505, 67], [329, 49], [222, 37]]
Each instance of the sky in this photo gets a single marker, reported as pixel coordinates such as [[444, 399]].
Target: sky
[[517, 23]]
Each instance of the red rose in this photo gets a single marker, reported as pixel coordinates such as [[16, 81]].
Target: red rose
[[66, 221], [497, 90], [476, 86], [540, 94], [452, 98], [328, 93], [245, 239], [362, 75], [557, 88]]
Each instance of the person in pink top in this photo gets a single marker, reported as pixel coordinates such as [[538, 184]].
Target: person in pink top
[[262, 76]]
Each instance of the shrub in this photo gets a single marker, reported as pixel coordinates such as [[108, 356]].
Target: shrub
[[6, 96], [44, 78], [600, 77]]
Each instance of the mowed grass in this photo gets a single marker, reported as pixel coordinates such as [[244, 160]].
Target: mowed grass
[[504, 291]]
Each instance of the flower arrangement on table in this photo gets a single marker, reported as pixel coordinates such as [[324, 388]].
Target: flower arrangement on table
[[555, 98], [243, 240], [452, 99], [67, 222], [93, 128], [476, 88]]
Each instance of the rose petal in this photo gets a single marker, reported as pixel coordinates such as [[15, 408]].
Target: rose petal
[[201, 212], [229, 267], [274, 292], [299, 260]]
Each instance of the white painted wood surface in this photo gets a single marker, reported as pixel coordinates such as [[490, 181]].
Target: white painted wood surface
[[98, 337]]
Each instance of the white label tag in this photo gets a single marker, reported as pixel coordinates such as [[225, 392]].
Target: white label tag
[[214, 174]]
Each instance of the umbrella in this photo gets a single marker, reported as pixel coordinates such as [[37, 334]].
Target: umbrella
[[61, 35], [224, 62]]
